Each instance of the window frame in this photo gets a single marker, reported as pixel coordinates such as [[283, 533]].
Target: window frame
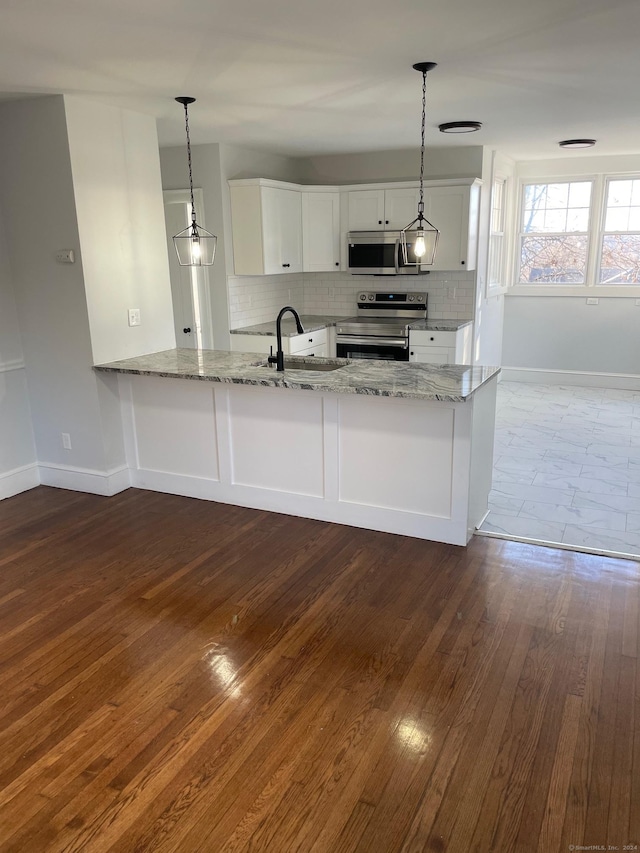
[[602, 232], [595, 236]]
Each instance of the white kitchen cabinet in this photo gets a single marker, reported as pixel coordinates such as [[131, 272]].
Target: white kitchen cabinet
[[453, 210], [266, 225], [320, 231], [382, 210], [426, 347]]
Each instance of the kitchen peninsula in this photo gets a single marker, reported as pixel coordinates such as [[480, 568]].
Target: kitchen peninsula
[[403, 448]]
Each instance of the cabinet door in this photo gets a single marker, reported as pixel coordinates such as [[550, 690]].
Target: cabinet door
[[366, 210], [447, 208], [320, 231], [431, 355], [400, 208], [281, 230]]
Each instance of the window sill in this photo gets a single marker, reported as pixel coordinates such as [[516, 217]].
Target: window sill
[[583, 291]]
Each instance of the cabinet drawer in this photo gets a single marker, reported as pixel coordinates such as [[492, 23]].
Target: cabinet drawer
[[421, 338], [309, 340], [319, 351]]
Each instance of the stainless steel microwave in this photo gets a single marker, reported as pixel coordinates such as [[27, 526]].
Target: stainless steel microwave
[[378, 253]]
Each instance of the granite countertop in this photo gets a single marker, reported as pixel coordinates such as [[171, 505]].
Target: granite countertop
[[443, 325], [447, 382], [313, 322]]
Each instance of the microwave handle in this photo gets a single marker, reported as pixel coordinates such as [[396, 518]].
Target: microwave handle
[[396, 257]]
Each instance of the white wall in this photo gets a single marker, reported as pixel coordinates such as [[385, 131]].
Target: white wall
[[398, 165], [563, 332], [489, 305], [70, 319], [118, 195], [17, 447]]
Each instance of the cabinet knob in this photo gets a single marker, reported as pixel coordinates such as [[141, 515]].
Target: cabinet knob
[[187, 330], [386, 222], [412, 353], [462, 262], [286, 265], [379, 221], [337, 263], [431, 339], [310, 340]]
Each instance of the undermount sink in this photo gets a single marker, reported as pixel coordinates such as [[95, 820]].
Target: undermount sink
[[314, 364]]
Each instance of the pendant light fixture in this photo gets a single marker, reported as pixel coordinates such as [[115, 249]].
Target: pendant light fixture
[[195, 246], [419, 239]]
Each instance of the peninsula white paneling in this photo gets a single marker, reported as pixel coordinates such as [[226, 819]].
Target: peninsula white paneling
[[398, 456], [277, 440], [175, 427]]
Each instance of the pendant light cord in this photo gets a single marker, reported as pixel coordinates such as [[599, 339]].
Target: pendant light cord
[[186, 124], [422, 129]]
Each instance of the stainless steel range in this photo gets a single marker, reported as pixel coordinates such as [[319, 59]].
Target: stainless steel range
[[381, 328]]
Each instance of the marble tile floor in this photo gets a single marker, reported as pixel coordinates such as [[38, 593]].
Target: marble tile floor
[[567, 467]]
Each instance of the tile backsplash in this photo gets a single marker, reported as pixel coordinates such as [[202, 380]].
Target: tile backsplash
[[257, 299]]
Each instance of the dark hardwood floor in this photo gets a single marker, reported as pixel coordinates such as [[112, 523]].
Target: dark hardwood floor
[[179, 675]]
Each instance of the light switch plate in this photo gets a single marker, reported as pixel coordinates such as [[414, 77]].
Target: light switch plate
[[65, 256], [134, 316], [592, 300]]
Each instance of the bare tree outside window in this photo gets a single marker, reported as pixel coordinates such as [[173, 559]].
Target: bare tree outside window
[[554, 235]]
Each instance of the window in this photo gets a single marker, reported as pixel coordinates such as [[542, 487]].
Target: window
[[620, 244], [496, 277], [554, 233]]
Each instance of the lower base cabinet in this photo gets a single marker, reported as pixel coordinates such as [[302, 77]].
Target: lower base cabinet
[[426, 347]]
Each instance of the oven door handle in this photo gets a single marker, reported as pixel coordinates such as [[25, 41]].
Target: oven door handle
[[401, 343]]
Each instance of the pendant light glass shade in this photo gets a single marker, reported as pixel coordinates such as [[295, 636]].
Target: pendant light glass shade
[[419, 239], [195, 246]]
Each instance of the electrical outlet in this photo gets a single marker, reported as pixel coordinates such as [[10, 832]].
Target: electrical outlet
[[65, 256], [134, 316], [66, 441], [592, 300]]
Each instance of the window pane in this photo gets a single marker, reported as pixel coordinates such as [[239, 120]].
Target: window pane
[[580, 194], [556, 207], [617, 219], [496, 255], [553, 260], [620, 262], [623, 206], [619, 194], [578, 219]]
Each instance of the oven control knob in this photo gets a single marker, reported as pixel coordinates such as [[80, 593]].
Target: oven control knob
[[371, 297], [420, 298], [411, 298], [362, 297]]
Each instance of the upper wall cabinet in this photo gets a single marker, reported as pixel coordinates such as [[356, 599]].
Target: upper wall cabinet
[[266, 223], [320, 231], [382, 210], [453, 210]]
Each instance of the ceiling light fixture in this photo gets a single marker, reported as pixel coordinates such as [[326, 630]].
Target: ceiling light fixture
[[577, 143], [420, 238], [195, 246], [460, 126]]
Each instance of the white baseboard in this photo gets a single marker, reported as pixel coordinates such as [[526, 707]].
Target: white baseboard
[[19, 480], [621, 381], [85, 480]]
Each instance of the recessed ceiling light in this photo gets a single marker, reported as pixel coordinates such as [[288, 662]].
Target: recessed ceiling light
[[460, 126], [577, 143]]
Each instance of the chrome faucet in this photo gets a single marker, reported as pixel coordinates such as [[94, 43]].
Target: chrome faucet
[[278, 358]]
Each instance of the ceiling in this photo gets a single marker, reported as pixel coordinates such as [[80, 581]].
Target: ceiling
[[303, 77]]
